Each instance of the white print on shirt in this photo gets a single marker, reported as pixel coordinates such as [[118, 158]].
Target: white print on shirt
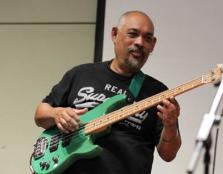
[[139, 117], [131, 124], [87, 98], [114, 89], [136, 120]]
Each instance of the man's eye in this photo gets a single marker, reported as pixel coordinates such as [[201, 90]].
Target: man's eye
[[149, 38], [132, 34]]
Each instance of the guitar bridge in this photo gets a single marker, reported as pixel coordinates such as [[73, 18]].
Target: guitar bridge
[[40, 147]]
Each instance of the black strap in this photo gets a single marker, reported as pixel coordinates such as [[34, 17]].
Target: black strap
[[136, 83]]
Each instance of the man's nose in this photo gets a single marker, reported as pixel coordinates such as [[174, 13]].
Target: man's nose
[[139, 41]]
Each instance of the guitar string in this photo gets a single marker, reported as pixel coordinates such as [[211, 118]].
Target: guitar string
[[61, 136], [64, 137]]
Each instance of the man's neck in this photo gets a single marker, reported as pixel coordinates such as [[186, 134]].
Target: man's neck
[[116, 67]]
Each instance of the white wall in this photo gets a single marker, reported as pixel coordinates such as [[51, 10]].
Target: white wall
[[34, 55], [189, 44]]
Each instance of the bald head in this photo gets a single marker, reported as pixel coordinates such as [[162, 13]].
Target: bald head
[[133, 40], [133, 15]]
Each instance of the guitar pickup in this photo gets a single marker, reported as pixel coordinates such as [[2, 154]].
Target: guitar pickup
[[40, 147], [66, 140], [54, 143]]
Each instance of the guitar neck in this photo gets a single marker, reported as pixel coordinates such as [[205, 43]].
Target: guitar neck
[[120, 114]]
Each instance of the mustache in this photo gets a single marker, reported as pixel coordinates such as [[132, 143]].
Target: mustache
[[136, 49]]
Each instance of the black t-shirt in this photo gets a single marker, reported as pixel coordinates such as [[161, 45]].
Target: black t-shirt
[[129, 146]]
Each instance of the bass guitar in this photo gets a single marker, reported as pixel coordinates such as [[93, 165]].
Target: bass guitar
[[55, 151]]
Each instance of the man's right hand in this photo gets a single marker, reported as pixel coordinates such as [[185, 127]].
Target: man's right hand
[[67, 119]]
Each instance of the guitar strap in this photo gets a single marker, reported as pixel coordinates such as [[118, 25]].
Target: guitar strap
[[136, 83]]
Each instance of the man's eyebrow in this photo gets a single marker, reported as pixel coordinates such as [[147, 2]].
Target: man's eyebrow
[[150, 33], [136, 30], [133, 29]]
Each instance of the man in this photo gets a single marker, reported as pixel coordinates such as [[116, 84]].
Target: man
[[129, 146]]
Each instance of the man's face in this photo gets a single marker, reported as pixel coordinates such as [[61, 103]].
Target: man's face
[[133, 41]]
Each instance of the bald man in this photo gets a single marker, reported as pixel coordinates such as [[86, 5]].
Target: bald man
[[129, 145]]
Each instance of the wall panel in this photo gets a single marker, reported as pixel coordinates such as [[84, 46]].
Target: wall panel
[[40, 40]]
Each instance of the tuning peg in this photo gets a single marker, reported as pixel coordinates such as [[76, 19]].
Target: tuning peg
[[220, 66]]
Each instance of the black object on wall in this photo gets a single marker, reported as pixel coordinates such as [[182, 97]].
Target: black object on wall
[[99, 32]]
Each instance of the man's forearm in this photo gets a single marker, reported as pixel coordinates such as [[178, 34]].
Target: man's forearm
[[44, 116], [170, 142]]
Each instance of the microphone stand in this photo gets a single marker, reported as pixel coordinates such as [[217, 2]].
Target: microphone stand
[[203, 139]]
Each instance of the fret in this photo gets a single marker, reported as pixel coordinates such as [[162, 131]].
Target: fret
[[136, 107]]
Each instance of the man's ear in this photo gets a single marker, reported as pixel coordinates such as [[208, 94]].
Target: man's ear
[[154, 43], [114, 33]]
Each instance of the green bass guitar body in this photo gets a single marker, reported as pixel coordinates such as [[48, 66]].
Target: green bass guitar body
[[55, 151]]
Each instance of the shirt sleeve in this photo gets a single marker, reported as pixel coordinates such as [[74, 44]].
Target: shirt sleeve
[[59, 93]]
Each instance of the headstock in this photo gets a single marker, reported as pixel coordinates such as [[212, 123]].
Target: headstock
[[214, 76]]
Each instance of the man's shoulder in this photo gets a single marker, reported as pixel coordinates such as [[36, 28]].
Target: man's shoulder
[[87, 67], [154, 82]]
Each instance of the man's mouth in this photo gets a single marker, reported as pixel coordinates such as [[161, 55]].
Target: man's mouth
[[136, 53]]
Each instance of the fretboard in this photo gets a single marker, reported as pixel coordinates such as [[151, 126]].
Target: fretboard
[[129, 110]]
